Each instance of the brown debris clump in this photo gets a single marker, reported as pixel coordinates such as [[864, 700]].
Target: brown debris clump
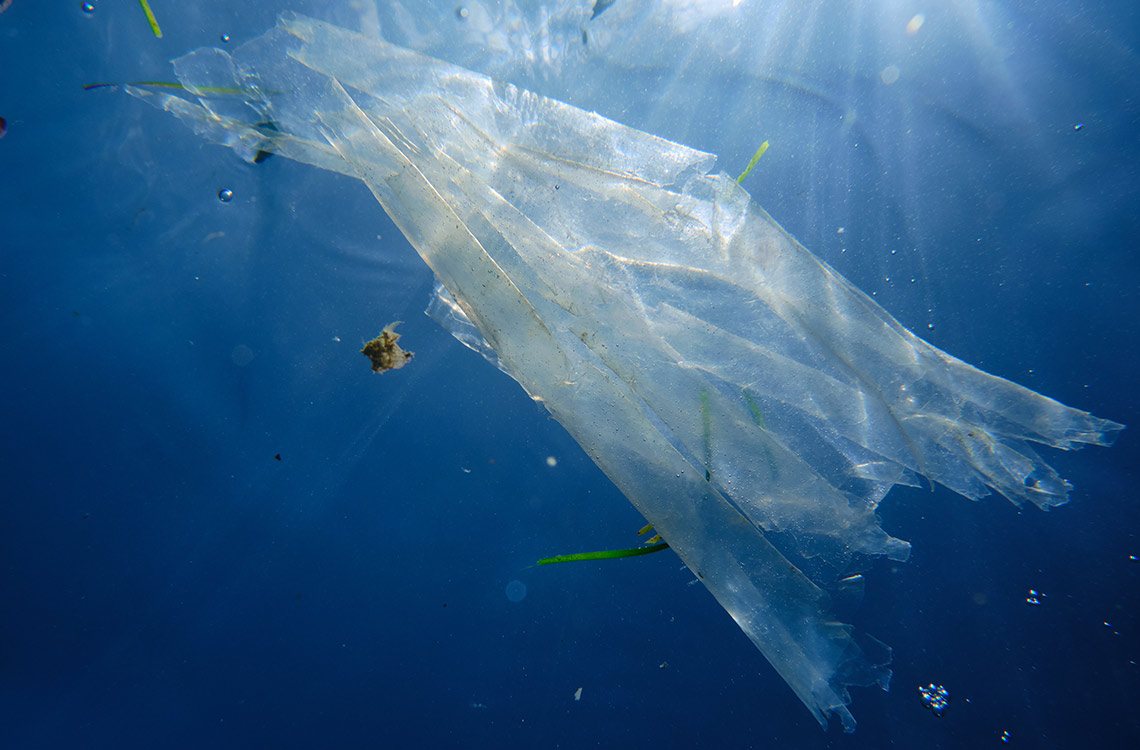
[[384, 352]]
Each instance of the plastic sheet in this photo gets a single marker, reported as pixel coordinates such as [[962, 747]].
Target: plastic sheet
[[748, 400]]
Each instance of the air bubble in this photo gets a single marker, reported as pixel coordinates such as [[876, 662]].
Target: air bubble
[[87, 7], [224, 37], [225, 195]]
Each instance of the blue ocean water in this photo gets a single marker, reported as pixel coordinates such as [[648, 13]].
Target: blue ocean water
[[219, 528]]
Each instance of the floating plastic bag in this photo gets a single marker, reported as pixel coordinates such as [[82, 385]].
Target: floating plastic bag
[[746, 398]]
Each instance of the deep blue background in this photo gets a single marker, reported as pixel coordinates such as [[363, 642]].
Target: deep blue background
[[164, 581]]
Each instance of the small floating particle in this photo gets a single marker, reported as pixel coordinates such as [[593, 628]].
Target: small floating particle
[[276, 456], [1078, 126], [578, 694], [384, 352], [225, 195], [87, 8], [224, 37]]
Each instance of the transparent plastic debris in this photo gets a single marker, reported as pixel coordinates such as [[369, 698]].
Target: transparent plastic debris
[[750, 402]]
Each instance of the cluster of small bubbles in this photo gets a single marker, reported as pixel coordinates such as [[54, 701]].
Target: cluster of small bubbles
[[1034, 598], [225, 195], [87, 7], [462, 13], [1006, 736], [935, 698], [224, 37]]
